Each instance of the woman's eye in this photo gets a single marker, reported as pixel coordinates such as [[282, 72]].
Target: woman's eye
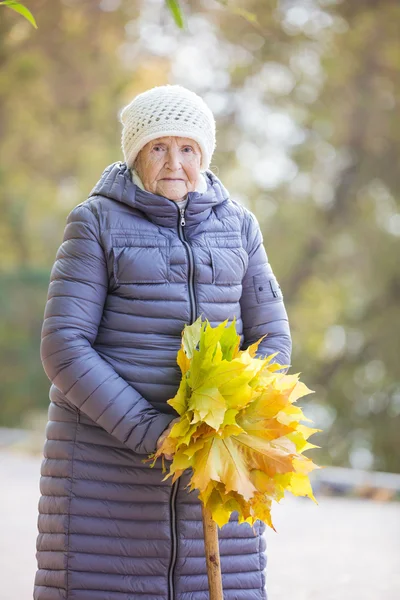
[[157, 148], [188, 149]]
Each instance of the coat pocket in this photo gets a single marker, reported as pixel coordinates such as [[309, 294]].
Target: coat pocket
[[140, 259], [229, 260], [267, 289]]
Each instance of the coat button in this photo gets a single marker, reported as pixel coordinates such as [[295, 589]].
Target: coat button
[[261, 288]]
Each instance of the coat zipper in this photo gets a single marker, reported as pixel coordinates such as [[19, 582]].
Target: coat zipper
[[175, 486], [174, 491], [182, 237]]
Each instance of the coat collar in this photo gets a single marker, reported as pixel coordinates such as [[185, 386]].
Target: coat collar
[[116, 183]]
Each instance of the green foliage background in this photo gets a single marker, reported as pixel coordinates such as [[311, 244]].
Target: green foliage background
[[306, 101]]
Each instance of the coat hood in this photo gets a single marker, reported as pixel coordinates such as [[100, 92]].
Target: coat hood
[[116, 183]]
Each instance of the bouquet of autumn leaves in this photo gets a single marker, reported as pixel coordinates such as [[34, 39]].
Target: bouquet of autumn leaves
[[239, 430]]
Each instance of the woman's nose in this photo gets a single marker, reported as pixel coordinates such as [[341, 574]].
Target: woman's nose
[[173, 160]]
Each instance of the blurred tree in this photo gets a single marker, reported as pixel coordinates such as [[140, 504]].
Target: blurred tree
[[306, 101], [319, 95], [60, 92]]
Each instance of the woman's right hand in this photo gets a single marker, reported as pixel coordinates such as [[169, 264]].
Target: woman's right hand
[[165, 434]]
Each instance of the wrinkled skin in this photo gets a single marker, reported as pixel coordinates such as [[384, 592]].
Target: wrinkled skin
[[169, 166]]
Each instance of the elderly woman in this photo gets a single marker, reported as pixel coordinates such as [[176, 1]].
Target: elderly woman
[[158, 243]]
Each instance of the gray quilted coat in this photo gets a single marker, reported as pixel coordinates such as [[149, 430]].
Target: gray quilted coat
[[132, 270]]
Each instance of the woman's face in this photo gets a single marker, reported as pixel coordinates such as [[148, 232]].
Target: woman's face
[[169, 166]]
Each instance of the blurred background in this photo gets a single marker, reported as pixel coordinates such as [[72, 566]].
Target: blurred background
[[306, 98]]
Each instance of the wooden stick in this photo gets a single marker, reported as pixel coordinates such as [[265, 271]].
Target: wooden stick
[[210, 529]]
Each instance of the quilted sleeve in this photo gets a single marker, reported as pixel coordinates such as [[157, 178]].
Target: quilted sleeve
[[262, 307], [76, 296]]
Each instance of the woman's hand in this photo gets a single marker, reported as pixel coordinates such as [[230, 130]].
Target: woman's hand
[[164, 434]]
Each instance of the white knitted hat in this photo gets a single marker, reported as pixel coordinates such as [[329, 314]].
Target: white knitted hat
[[163, 111]]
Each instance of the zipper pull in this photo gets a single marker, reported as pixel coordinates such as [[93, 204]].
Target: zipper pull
[[183, 222]]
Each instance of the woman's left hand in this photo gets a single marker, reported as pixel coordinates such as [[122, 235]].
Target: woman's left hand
[[165, 434]]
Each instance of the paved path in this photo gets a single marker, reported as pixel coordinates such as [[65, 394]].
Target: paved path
[[342, 549]]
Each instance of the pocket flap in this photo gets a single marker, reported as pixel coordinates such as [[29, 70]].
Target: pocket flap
[[140, 259], [224, 241], [141, 241], [267, 288]]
